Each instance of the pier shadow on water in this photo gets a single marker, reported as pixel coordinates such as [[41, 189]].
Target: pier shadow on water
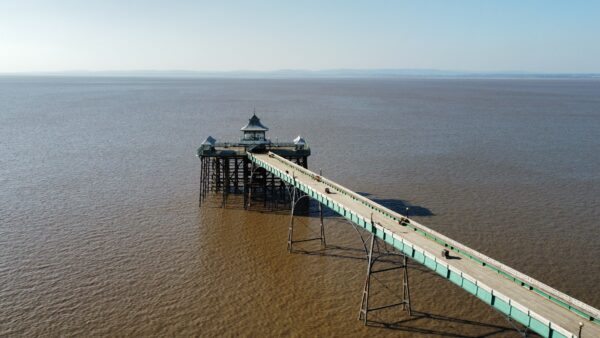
[[400, 206], [309, 207], [424, 323]]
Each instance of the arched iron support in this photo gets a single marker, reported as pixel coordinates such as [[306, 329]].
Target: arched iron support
[[295, 201], [288, 189], [361, 237], [301, 197], [291, 226]]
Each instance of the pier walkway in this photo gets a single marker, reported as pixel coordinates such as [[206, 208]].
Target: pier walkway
[[537, 306]]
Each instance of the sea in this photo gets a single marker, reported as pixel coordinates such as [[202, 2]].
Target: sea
[[101, 233]]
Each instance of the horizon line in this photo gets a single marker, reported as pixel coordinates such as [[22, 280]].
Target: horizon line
[[299, 72]]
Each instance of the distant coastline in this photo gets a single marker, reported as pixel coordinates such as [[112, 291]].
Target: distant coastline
[[328, 73]]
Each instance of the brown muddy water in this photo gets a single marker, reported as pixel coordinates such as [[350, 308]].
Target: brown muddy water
[[101, 234]]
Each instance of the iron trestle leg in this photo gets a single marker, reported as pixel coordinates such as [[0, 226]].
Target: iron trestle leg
[[405, 288], [364, 304], [323, 242], [295, 199], [290, 240], [250, 185], [201, 181], [524, 332]]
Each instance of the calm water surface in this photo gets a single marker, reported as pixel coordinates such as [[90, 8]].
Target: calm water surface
[[100, 232]]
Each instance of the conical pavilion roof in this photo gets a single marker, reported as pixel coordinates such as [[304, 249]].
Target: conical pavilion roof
[[299, 141], [209, 141], [254, 125]]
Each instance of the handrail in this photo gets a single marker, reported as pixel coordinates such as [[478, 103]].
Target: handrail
[[585, 308]]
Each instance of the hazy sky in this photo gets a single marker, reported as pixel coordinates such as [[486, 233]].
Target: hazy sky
[[523, 35]]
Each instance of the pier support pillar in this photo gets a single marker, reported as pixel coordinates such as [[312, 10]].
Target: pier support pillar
[[251, 179], [205, 178], [371, 259], [246, 174], [323, 242], [226, 181], [201, 185], [322, 226], [290, 240]]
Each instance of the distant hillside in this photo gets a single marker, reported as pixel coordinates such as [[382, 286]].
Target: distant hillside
[[299, 73]]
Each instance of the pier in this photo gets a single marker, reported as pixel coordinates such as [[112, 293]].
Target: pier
[[225, 167], [282, 172]]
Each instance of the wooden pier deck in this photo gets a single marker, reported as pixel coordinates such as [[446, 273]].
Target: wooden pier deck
[[539, 307]]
